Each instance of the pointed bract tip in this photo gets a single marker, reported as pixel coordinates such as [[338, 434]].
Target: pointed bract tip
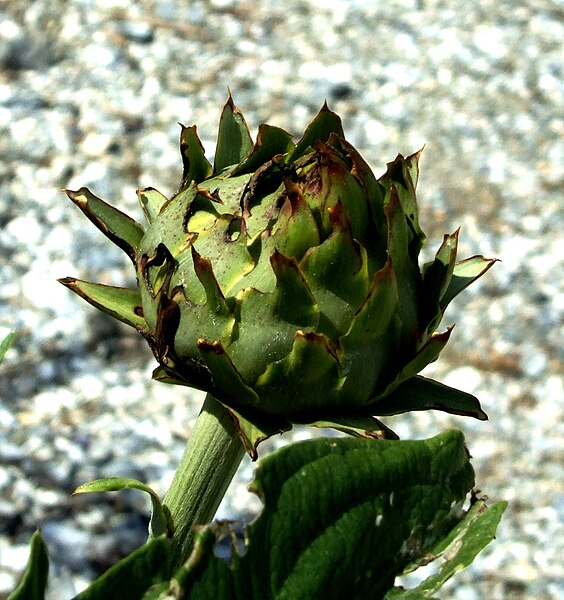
[[67, 281], [418, 153], [77, 196], [230, 102]]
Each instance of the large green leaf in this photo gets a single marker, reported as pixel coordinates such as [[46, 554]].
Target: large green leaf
[[114, 224], [458, 550], [134, 575], [207, 577], [342, 517], [34, 581]]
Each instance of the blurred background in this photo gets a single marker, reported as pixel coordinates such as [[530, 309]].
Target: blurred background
[[91, 93]]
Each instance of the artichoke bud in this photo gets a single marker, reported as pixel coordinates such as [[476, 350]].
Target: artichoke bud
[[285, 280]]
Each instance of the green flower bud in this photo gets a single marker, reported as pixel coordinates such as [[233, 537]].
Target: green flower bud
[[285, 281]]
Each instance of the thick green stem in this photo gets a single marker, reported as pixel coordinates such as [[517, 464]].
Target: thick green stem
[[210, 460]]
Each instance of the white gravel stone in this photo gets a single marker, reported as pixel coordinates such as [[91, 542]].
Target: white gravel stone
[[93, 100], [464, 378]]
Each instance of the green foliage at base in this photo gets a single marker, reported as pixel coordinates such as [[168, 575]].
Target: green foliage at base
[[34, 581], [342, 517]]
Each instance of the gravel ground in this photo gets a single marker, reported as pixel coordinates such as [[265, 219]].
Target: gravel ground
[[90, 94]]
